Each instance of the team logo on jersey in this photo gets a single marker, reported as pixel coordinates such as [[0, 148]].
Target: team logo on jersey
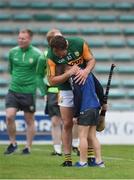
[[31, 60], [61, 60], [76, 53], [15, 59]]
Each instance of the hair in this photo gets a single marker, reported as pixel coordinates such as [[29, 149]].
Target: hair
[[58, 42], [52, 34], [30, 32]]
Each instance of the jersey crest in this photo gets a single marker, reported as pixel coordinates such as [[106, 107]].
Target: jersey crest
[[31, 60]]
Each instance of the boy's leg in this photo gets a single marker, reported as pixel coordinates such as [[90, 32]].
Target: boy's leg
[[92, 137], [83, 136]]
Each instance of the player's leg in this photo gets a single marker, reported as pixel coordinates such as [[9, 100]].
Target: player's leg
[[67, 116], [75, 139], [30, 131], [56, 135], [56, 122], [11, 126], [27, 104], [67, 112], [11, 129], [11, 110]]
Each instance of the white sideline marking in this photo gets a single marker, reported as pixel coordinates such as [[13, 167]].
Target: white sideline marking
[[116, 158], [104, 157], [34, 142], [37, 149]]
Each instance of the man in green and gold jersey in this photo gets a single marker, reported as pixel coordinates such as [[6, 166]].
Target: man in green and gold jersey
[[23, 60]]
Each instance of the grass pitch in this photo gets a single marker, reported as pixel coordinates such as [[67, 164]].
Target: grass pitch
[[119, 161]]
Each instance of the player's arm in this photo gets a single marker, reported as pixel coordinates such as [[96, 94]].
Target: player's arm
[[10, 67], [87, 56], [55, 79], [41, 72]]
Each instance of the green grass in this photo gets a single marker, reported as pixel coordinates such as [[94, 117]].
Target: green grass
[[119, 161]]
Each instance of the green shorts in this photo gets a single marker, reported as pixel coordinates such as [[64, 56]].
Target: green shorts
[[89, 117]]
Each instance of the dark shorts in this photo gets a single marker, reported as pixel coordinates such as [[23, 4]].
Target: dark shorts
[[20, 101], [89, 117], [52, 104]]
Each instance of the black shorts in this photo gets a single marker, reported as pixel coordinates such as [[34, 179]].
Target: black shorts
[[89, 117], [20, 101], [52, 104]]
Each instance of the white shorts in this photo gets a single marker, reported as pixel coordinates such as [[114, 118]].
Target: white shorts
[[66, 98]]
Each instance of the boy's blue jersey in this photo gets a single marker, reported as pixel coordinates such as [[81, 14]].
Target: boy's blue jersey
[[85, 96]]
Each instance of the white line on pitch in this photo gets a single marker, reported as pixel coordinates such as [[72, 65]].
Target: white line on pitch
[[116, 158]]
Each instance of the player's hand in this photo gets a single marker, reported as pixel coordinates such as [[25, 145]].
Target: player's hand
[[73, 70], [104, 107], [81, 76]]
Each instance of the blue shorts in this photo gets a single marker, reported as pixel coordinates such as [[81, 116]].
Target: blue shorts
[[89, 117]]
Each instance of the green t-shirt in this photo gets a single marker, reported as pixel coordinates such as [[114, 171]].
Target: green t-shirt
[[22, 67]]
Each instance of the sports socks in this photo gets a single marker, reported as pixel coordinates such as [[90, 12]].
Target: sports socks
[[75, 142], [68, 157], [57, 148], [91, 153]]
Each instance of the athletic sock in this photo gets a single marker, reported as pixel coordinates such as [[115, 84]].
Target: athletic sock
[[75, 142], [57, 148], [68, 157], [91, 153], [82, 163]]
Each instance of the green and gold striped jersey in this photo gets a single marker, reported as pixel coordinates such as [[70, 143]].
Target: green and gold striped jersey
[[78, 52]]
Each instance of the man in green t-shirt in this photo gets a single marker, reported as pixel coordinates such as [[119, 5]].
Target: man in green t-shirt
[[23, 60]]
